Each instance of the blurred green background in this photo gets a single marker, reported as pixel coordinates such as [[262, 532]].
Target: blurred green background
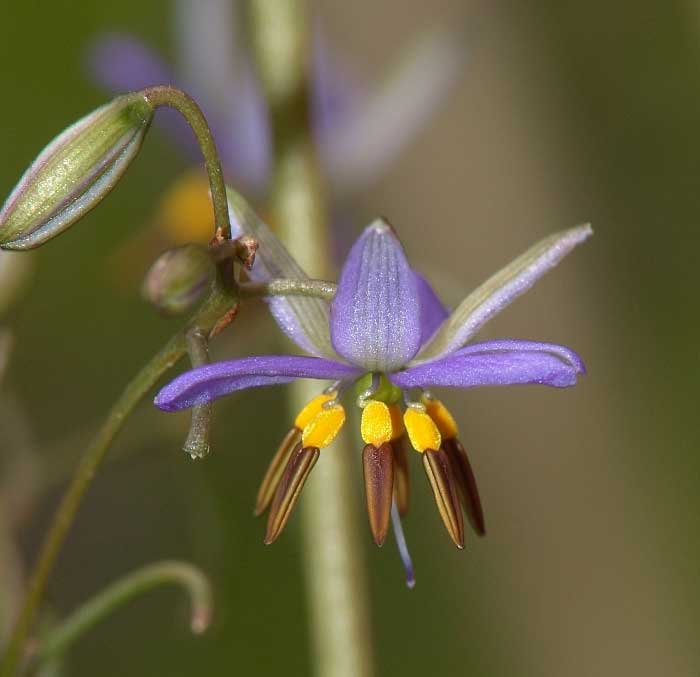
[[567, 112]]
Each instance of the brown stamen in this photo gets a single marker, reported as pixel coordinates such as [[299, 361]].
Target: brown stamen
[[466, 482], [378, 464], [274, 471], [300, 464], [439, 470]]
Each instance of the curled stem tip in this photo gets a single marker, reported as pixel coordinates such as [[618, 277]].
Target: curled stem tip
[[83, 619]]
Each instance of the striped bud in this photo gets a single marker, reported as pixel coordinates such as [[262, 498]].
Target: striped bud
[[74, 172], [178, 279]]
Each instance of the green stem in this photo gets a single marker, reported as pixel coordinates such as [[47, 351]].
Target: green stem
[[63, 519], [120, 592], [335, 573], [219, 302], [186, 105], [197, 442], [216, 312], [286, 287]]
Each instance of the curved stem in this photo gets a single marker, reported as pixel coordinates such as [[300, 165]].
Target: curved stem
[[286, 287], [118, 593], [215, 314], [63, 519], [218, 304], [174, 98]]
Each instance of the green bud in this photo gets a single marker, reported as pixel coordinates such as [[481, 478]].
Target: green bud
[[74, 172], [178, 278]]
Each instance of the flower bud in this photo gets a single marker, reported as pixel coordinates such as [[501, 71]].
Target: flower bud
[[178, 278], [74, 172]]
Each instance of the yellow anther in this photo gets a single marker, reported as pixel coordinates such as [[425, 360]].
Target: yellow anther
[[185, 213], [376, 425], [421, 429], [381, 423], [442, 417], [312, 409], [323, 428]]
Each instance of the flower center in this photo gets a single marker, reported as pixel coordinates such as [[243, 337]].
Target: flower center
[[382, 388]]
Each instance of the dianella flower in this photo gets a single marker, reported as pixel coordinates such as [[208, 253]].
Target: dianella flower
[[387, 338]]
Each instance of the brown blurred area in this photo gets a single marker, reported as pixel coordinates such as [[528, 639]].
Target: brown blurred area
[[567, 113]]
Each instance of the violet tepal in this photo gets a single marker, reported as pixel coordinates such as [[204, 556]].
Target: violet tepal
[[387, 335]]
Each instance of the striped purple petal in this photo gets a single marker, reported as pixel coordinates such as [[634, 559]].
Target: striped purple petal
[[212, 381], [493, 363], [375, 315]]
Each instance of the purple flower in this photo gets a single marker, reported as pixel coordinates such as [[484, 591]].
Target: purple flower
[[386, 334]]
